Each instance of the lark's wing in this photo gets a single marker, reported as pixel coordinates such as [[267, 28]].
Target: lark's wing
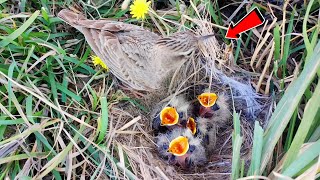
[[125, 48]]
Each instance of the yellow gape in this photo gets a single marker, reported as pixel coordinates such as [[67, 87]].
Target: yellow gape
[[207, 99], [179, 146], [192, 125], [169, 116]]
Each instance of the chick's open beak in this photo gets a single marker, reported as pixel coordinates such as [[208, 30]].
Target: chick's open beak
[[179, 146], [208, 104], [169, 116], [192, 125], [207, 99]]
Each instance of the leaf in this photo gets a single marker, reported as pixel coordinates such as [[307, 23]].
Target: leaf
[[66, 91], [236, 146], [287, 106], [29, 109], [309, 116], [276, 35], [303, 160], [2, 1], [20, 30], [44, 14], [23, 156], [104, 120], [256, 150]]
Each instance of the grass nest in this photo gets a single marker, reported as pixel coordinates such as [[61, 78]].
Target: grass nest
[[131, 126]]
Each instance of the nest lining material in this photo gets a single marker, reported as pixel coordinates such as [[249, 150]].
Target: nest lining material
[[190, 79]]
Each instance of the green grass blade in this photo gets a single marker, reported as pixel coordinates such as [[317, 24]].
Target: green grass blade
[[22, 156], [276, 35], [304, 28], [309, 115], [309, 44], [23, 134], [52, 80], [60, 157], [10, 91], [215, 16], [287, 106], [104, 120], [29, 108], [236, 54], [11, 122], [242, 171], [64, 85], [20, 30], [136, 103], [316, 134], [66, 91], [256, 150], [44, 140], [286, 47], [236, 123], [248, 39], [25, 63], [303, 160], [236, 146], [291, 130], [2, 1]]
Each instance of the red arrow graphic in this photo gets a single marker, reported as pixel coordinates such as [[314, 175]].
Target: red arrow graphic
[[251, 20]]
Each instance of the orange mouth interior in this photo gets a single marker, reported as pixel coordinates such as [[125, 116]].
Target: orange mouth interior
[[192, 125], [169, 116], [179, 146], [207, 99]]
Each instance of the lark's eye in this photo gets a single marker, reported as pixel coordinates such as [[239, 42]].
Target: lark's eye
[[169, 116]]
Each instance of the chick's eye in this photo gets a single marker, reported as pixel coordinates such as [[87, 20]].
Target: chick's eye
[[165, 146], [192, 148]]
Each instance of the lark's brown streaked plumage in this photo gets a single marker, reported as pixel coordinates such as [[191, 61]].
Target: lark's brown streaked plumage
[[138, 57]]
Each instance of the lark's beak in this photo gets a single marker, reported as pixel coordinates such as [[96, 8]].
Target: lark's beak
[[179, 146], [192, 125], [169, 116]]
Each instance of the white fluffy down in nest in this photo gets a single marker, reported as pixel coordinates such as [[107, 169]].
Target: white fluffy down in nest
[[218, 60]]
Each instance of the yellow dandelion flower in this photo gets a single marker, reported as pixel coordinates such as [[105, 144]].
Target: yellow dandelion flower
[[139, 8], [97, 61]]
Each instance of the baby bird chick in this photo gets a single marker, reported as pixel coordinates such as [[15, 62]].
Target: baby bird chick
[[206, 130], [180, 147], [203, 129], [213, 113], [214, 108], [173, 115]]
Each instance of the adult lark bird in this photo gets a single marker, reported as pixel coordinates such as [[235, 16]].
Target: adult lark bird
[[138, 57]]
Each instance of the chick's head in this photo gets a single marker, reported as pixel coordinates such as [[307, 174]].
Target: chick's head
[[172, 115], [180, 147]]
